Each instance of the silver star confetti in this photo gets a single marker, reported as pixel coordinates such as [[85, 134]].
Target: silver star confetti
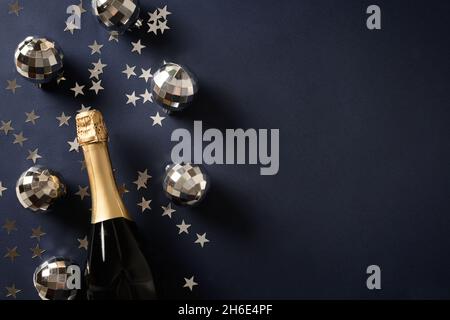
[[31, 117], [144, 204], [168, 210], [146, 74], [163, 13], [33, 155], [137, 46], [162, 25], [6, 127], [153, 27], [19, 138], [153, 16], [183, 227], [99, 65], [83, 109], [132, 98], [201, 239], [146, 96], [129, 71], [157, 119], [74, 146], [94, 73], [63, 119], [77, 89], [95, 47], [12, 85], [190, 283], [96, 86], [82, 192]]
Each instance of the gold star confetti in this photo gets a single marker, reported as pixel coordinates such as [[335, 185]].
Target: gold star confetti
[[19, 138], [83, 192], [33, 155], [122, 189], [168, 210], [84, 243], [183, 227], [15, 8], [77, 89], [2, 188], [95, 47], [12, 291], [137, 46], [37, 251], [74, 145], [9, 226], [201, 239], [31, 117], [11, 253], [157, 119], [144, 204], [6, 127], [37, 233], [63, 119], [190, 283], [12, 85]]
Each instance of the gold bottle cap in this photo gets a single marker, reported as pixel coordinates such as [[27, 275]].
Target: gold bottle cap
[[91, 127]]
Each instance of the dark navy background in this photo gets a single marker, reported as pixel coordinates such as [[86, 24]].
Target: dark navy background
[[364, 146]]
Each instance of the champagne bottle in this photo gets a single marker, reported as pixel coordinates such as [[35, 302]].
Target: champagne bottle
[[116, 267]]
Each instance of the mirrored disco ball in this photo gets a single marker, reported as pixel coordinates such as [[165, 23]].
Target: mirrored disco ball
[[185, 184], [39, 60], [173, 87], [37, 188], [116, 15], [51, 277]]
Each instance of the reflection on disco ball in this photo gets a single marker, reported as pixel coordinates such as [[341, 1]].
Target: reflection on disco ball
[[39, 60], [185, 184], [37, 188], [51, 279], [116, 15], [173, 87]]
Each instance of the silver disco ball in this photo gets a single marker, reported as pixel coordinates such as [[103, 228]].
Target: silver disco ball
[[39, 60], [185, 184], [37, 188], [50, 279], [116, 15], [173, 87]]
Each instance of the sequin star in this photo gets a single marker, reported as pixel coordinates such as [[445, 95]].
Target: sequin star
[[129, 71], [82, 192], [113, 36], [31, 117], [11, 253], [157, 119], [6, 127], [74, 145], [33, 155], [201, 239], [190, 283], [37, 233], [153, 16], [99, 65], [163, 13], [137, 46], [183, 227], [77, 89], [9, 226], [12, 291], [146, 96], [132, 98], [96, 86], [2, 188], [36, 251], [84, 243], [95, 47], [12, 85], [168, 210], [19, 138], [146, 74], [144, 204], [153, 27], [63, 119], [15, 8], [162, 25]]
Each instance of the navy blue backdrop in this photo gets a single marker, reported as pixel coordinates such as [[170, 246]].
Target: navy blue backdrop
[[364, 146]]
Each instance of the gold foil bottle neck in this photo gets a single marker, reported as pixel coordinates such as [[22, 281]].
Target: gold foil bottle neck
[[90, 127]]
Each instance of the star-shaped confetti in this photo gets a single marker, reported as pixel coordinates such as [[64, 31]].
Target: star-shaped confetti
[[201, 239], [10, 226], [137, 46], [19, 138], [140, 183], [146, 96], [99, 65], [157, 119], [144, 175], [15, 8], [153, 27], [74, 145], [190, 283], [183, 227], [132, 98], [94, 73], [153, 16], [37, 251], [83, 109], [12, 85], [145, 74], [31, 117], [77, 89], [37, 233], [168, 210], [96, 86], [82, 192], [6, 127], [163, 13], [144, 204], [63, 119], [113, 36], [12, 291], [12, 254], [33, 155], [162, 25], [129, 71], [95, 47], [84, 243], [2, 188]]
